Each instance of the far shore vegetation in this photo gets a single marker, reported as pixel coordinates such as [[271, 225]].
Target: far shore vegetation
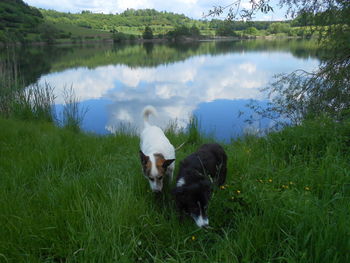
[[20, 23]]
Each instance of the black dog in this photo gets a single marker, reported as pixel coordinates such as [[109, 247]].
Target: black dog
[[197, 173]]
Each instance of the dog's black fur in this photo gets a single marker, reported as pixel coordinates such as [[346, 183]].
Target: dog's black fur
[[197, 173]]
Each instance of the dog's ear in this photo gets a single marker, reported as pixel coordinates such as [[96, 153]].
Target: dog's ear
[[144, 158], [167, 163]]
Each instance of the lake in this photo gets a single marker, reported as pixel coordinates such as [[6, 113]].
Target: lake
[[213, 81]]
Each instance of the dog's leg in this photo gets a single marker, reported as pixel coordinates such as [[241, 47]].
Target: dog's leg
[[181, 217]]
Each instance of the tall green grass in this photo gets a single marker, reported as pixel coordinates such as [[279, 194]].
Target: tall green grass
[[194, 135], [73, 197], [9, 82], [73, 114], [34, 102]]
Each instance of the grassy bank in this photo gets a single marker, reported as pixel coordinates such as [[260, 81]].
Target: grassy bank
[[74, 197]]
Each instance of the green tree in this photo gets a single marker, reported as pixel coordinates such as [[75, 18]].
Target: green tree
[[279, 27], [194, 31], [119, 37], [147, 33], [251, 31], [179, 33], [326, 90], [225, 29], [17, 19], [48, 33]]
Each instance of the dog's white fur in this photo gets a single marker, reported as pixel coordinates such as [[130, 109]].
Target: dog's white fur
[[180, 182], [153, 141], [201, 221]]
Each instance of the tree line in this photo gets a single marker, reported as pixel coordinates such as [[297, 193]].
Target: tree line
[[20, 22]]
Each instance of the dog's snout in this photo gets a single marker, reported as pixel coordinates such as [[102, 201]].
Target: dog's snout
[[205, 226], [201, 221]]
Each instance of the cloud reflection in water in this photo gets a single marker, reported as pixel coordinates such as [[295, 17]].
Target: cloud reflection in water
[[176, 90]]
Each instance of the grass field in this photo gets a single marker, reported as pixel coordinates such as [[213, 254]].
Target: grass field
[[74, 197], [82, 32]]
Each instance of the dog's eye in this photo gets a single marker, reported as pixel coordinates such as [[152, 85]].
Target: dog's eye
[[160, 177], [152, 179]]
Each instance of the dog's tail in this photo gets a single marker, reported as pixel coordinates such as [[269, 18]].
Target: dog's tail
[[148, 110]]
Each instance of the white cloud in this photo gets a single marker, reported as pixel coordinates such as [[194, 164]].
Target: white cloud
[[248, 67], [175, 89], [135, 4], [133, 76], [165, 91], [246, 4], [124, 115]]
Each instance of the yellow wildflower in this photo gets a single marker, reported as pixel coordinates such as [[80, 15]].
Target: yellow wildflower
[[238, 192], [222, 187], [193, 238], [270, 180], [307, 188]]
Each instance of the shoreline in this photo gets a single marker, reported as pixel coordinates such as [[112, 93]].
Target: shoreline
[[154, 40]]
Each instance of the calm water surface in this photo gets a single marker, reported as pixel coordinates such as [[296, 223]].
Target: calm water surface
[[211, 80]]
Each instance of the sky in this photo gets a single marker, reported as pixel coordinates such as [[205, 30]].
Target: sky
[[191, 8]]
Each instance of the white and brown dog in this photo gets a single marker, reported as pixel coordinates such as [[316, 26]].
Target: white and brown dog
[[157, 153]]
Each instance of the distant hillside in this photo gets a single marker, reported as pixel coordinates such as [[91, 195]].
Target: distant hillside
[[22, 23], [18, 19], [130, 17], [134, 21], [130, 21]]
